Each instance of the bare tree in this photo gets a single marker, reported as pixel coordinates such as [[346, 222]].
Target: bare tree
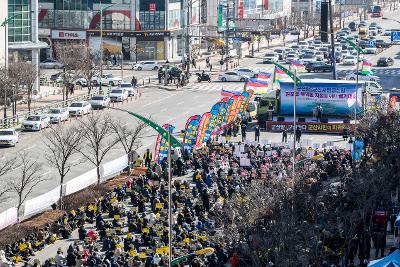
[[88, 65], [129, 138], [97, 134], [70, 55], [7, 164], [62, 143], [28, 178], [23, 76], [4, 88]]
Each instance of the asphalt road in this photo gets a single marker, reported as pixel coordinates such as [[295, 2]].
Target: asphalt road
[[172, 107]]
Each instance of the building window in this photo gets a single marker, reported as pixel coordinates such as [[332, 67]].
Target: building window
[[152, 20], [19, 29]]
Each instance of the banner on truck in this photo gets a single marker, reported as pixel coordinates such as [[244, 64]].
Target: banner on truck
[[335, 98]]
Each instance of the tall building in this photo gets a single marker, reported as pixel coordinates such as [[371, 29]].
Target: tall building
[[23, 43], [133, 29]]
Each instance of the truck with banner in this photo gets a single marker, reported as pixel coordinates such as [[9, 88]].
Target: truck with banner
[[337, 97]]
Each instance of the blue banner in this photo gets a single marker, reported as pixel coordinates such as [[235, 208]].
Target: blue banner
[[190, 132], [336, 98], [358, 147], [213, 122], [163, 148]]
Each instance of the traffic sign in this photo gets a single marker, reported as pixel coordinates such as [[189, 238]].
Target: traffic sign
[[395, 36], [371, 43], [236, 40]]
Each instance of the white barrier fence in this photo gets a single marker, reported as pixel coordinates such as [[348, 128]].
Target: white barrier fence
[[44, 201]]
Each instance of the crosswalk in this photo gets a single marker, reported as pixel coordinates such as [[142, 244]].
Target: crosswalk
[[388, 71], [213, 87]]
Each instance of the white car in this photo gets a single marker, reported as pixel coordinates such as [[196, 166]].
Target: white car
[[320, 56], [58, 115], [128, 87], [50, 64], [308, 58], [232, 76], [370, 50], [362, 77], [291, 57], [349, 60], [271, 57], [107, 79], [146, 65], [79, 108], [373, 30], [36, 122], [246, 72], [118, 95], [8, 137], [99, 101]]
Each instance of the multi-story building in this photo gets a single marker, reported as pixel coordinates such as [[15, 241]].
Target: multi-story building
[[135, 29], [23, 43], [3, 35]]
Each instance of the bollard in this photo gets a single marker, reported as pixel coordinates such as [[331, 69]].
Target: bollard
[[149, 79], [143, 82]]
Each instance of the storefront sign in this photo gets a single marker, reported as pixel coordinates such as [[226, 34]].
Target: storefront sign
[[130, 34], [68, 35], [308, 127], [152, 7]]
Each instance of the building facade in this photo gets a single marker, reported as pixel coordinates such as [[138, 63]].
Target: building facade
[[132, 29]]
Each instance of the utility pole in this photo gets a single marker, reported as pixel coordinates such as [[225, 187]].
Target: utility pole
[[333, 58], [226, 36], [187, 42]]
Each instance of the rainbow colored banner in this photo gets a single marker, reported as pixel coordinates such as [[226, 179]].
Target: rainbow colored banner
[[237, 107], [189, 139], [161, 149], [232, 109], [202, 128], [366, 67]]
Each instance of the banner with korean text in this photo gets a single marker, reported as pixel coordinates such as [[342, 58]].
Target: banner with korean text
[[201, 129], [213, 122], [189, 139], [161, 149]]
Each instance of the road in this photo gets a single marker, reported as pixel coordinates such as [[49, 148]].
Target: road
[[173, 107]]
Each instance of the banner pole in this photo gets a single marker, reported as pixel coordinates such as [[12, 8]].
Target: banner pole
[[169, 199]]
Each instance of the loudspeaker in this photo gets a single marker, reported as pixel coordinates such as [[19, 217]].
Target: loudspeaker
[[346, 121], [281, 118], [301, 120], [324, 120], [324, 21]]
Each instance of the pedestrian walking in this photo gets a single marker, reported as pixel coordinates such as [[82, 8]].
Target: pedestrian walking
[[257, 133], [134, 81], [284, 135], [243, 128], [147, 158], [298, 134], [114, 60], [210, 67]]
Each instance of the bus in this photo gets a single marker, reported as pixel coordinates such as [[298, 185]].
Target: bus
[[377, 11]]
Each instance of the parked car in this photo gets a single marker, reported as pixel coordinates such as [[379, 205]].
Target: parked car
[[246, 72], [291, 57], [372, 30], [308, 58], [370, 50], [349, 60], [382, 44], [385, 62], [362, 77], [50, 64], [99, 101], [271, 57], [387, 32], [281, 53], [318, 67], [79, 108], [118, 95], [232, 76], [106, 79], [128, 87], [8, 137], [58, 115], [35, 122], [146, 65]]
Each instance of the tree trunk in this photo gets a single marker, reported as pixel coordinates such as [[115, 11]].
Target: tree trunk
[[98, 174], [60, 204], [29, 100]]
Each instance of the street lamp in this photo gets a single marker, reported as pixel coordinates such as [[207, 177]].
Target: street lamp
[[359, 51], [101, 39]]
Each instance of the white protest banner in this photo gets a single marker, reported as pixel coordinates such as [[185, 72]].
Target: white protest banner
[[42, 202], [8, 217]]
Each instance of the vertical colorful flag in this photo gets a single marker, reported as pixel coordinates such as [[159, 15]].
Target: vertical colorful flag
[[189, 139], [201, 129], [231, 110], [227, 103], [366, 67], [226, 93], [237, 107], [213, 121], [279, 74], [246, 104], [221, 116], [161, 149], [246, 96], [264, 76]]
